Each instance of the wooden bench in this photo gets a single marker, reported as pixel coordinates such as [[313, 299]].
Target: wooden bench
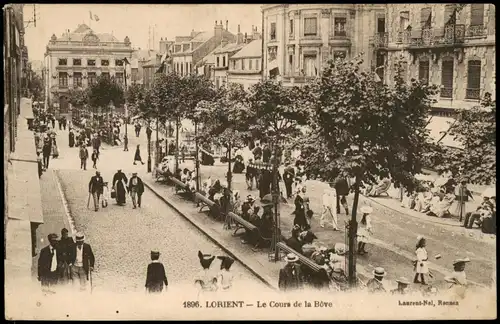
[[241, 223], [302, 259], [202, 201], [179, 184]]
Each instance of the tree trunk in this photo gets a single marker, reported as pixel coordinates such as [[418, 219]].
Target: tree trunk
[[353, 229], [229, 173], [176, 144], [197, 160]]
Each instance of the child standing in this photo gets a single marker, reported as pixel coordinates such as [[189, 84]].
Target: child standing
[[105, 195], [156, 275]]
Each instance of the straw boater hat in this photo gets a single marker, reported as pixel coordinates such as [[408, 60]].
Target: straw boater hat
[[403, 281], [80, 237], [366, 209], [134, 173], [459, 261], [250, 198], [291, 257], [379, 272]]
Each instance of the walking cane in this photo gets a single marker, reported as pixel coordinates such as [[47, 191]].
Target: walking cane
[[88, 201], [90, 278]]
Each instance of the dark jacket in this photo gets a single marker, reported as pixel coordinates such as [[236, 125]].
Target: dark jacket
[[266, 154], [295, 244], [341, 186], [257, 152], [95, 184], [64, 247], [88, 256], [156, 277], [45, 262], [289, 174], [139, 186], [47, 148], [290, 277]]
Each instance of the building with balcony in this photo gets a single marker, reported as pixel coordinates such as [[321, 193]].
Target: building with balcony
[[449, 45], [188, 51], [298, 39], [77, 59], [245, 67]]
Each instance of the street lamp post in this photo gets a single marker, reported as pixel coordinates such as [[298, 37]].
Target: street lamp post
[[125, 142], [148, 134]]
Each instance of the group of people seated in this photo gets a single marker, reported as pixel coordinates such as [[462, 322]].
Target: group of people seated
[[484, 216]]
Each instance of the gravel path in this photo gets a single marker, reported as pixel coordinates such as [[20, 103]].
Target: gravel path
[[122, 238]]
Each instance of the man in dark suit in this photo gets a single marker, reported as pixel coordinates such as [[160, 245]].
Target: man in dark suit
[[288, 178], [136, 189], [291, 277], [81, 260], [48, 263], [46, 150], [95, 188]]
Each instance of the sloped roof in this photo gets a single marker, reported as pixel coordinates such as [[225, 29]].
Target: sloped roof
[[144, 54], [231, 47], [252, 49], [209, 59], [202, 37]]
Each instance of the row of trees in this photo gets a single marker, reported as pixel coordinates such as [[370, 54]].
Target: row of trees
[[101, 94], [345, 123]]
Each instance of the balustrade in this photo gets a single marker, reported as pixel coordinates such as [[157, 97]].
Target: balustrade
[[446, 92], [473, 93]]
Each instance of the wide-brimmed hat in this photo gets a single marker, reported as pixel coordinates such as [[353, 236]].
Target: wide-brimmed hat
[[80, 237], [459, 261], [291, 257], [340, 248], [226, 262], [366, 209], [379, 272], [250, 198], [403, 281], [267, 200]]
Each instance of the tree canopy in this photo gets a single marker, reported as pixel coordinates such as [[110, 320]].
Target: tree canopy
[[359, 127], [475, 129], [104, 92], [166, 96]]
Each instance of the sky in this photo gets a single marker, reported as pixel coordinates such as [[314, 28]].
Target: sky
[[134, 21]]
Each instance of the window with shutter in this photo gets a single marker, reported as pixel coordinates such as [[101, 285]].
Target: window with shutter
[[63, 79], [423, 71], [473, 80], [224, 61], [404, 20], [425, 17], [447, 78], [448, 13], [340, 26], [310, 26], [291, 26], [477, 14], [273, 31]]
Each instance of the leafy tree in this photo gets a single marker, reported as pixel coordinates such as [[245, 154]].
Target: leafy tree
[[79, 97], [36, 87], [104, 92], [363, 129], [475, 129], [225, 118]]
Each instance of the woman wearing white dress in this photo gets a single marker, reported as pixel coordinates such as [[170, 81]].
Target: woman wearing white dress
[[105, 195], [225, 277], [364, 229], [329, 209], [421, 268]]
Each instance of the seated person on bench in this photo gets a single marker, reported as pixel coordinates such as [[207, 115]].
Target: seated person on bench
[[381, 188], [266, 227], [215, 209], [246, 208], [255, 220]]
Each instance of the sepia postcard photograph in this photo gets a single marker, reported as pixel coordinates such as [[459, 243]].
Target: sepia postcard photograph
[[331, 161]]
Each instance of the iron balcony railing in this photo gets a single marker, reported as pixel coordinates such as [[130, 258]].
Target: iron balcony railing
[[429, 37], [381, 40], [446, 92], [475, 31], [473, 93]]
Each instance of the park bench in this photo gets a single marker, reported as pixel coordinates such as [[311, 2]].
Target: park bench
[[179, 185], [249, 226], [202, 201], [302, 259]]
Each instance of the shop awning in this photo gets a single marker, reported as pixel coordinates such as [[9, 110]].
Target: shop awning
[[439, 126]]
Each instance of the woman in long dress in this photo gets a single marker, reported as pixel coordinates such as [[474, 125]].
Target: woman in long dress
[[420, 265], [206, 280], [55, 150], [365, 229], [71, 136], [120, 185]]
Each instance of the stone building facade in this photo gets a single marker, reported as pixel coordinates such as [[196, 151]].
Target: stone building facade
[[298, 39], [77, 58], [449, 45]]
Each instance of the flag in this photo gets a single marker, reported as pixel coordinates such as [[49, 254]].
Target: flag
[[91, 17], [96, 17]]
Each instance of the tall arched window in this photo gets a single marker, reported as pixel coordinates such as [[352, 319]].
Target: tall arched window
[[447, 77], [423, 70], [473, 80]]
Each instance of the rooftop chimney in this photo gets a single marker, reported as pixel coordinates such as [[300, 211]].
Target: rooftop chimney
[[238, 28], [227, 24], [218, 30], [239, 36]]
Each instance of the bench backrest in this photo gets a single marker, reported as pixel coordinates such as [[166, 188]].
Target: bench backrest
[[241, 221], [207, 201], [178, 182], [304, 260]]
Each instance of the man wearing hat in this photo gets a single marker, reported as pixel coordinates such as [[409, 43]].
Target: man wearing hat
[[288, 178], [81, 260], [246, 207], [136, 189], [402, 289], [155, 275], [266, 227], [95, 188], [375, 284], [48, 263], [64, 247], [291, 277]]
